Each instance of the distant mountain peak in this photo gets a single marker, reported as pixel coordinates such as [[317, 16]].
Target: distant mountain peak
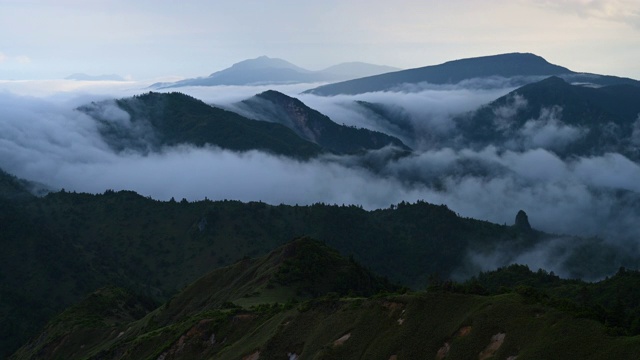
[[268, 70], [510, 65], [264, 62]]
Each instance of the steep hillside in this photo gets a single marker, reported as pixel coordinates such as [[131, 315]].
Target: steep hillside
[[212, 318], [612, 301], [13, 188], [520, 68], [293, 272], [150, 121], [313, 126], [58, 248], [567, 119]]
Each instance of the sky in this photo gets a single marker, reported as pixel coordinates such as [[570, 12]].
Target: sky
[[145, 39]]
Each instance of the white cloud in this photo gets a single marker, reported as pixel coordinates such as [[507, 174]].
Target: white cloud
[[635, 135], [503, 115], [45, 140], [548, 131]]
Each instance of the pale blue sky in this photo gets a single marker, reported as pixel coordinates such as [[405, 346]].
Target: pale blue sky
[[147, 39]]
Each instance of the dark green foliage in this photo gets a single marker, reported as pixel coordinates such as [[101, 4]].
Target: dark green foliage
[[159, 119], [13, 188], [407, 326], [613, 301], [65, 245], [315, 269]]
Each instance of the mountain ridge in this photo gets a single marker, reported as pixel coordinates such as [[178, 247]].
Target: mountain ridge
[[211, 318], [266, 70], [314, 126], [150, 121], [520, 66]]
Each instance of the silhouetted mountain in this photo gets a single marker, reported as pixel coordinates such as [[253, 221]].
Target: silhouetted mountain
[[567, 119], [150, 121], [265, 70], [520, 68], [313, 126], [85, 77]]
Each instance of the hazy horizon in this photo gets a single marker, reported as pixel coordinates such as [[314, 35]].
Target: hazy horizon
[[147, 40]]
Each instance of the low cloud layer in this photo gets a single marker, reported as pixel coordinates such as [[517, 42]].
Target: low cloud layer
[[44, 139], [427, 109]]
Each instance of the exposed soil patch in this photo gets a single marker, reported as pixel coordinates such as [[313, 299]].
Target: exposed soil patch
[[341, 341], [254, 356], [464, 331], [391, 305], [443, 351], [494, 345]]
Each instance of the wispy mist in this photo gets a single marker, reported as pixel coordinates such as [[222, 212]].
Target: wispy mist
[[46, 140]]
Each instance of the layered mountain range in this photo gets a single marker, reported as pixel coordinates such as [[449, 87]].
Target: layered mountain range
[[227, 279], [266, 70], [519, 68]]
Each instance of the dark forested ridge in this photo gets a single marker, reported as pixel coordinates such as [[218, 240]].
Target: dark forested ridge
[[150, 121], [313, 126], [62, 246]]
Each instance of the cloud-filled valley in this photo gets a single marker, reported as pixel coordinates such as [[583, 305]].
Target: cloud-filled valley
[[44, 139]]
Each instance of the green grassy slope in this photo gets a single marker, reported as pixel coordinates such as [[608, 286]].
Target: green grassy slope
[[65, 245], [208, 320]]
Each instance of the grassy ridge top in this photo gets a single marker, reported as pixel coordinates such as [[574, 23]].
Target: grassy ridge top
[[65, 245], [212, 319]]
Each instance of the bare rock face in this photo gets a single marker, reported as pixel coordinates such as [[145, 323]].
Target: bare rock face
[[522, 221]]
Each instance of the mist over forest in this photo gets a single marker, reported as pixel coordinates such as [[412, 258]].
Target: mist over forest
[[45, 139]]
